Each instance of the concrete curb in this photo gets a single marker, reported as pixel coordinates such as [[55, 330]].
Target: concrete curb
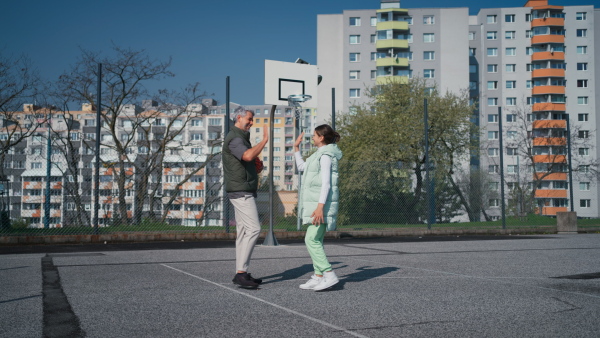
[[161, 236]]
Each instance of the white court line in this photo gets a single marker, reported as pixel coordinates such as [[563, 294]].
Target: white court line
[[272, 304], [476, 277]]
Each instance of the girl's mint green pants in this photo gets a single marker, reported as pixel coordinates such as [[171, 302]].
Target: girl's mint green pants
[[314, 244]]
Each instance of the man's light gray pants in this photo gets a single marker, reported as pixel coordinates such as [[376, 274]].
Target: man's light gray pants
[[248, 229]]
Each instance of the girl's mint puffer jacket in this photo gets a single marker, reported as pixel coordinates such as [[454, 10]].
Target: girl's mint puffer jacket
[[311, 186]]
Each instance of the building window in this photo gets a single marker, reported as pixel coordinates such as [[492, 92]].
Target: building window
[[493, 118], [354, 74], [373, 74], [528, 51], [511, 152], [527, 17], [582, 117], [584, 169], [373, 38], [584, 151], [511, 51], [581, 49], [585, 203], [582, 100], [582, 66], [197, 123], [511, 68], [511, 101], [354, 39], [214, 122], [428, 20], [509, 18], [584, 133], [373, 56], [472, 69], [428, 55], [428, 37], [492, 35], [493, 169], [494, 186], [492, 68], [471, 35], [528, 67], [491, 19], [473, 85], [354, 92], [582, 83], [492, 52], [492, 101], [494, 202], [492, 85], [582, 33], [493, 152], [510, 35], [511, 117], [492, 135], [580, 16], [373, 21], [354, 57], [528, 84], [429, 73], [472, 51], [584, 186], [354, 21], [511, 84], [528, 34], [409, 37]]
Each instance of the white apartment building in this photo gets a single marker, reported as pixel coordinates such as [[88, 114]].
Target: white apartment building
[[536, 63]]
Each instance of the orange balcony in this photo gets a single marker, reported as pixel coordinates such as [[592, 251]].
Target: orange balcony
[[547, 22], [541, 56], [549, 159], [551, 176], [539, 90], [547, 106], [548, 72], [546, 124], [548, 38], [551, 193], [551, 211], [549, 141]]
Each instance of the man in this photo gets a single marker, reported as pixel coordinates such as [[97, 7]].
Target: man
[[241, 167]]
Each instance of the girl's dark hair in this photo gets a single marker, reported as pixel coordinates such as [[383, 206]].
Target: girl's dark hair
[[329, 135]]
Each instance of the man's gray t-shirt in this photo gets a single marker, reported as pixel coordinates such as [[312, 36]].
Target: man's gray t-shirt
[[238, 149]]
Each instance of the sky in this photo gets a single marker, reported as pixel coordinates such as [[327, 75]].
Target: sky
[[207, 40]]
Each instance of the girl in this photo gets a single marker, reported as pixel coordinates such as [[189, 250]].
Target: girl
[[318, 202]]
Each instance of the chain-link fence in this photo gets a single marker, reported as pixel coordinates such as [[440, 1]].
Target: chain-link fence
[[182, 192]]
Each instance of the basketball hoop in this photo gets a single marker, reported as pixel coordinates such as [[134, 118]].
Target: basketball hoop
[[295, 100]]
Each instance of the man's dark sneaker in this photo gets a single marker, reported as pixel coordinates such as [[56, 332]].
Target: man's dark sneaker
[[255, 280], [243, 280]]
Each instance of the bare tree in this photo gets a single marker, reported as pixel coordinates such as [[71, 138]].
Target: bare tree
[[19, 84], [538, 141], [138, 140]]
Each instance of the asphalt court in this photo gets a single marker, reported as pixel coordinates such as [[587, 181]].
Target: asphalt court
[[511, 286]]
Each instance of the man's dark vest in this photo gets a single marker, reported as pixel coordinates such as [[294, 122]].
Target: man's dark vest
[[238, 175]]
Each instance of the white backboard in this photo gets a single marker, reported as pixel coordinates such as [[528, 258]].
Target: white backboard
[[288, 78]]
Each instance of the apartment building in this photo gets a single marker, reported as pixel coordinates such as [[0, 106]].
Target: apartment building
[[159, 163], [163, 165], [536, 63]]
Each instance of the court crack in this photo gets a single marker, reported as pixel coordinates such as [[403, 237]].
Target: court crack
[[381, 327]]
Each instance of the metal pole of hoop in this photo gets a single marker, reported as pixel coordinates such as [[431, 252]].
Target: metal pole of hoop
[[294, 101]]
